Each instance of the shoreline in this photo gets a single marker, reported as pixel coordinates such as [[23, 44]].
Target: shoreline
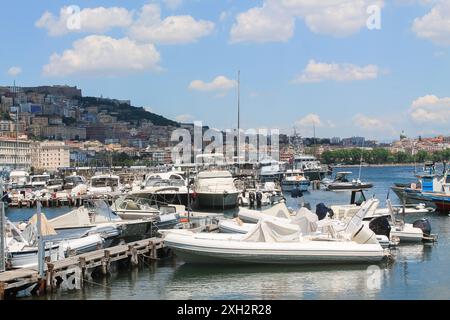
[[377, 165]]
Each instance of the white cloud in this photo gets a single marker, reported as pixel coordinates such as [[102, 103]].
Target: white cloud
[[220, 83], [369, 123], [320, 71], [183, 118], [263, 24], [14, 71], [309, 120], [96, 20], [172, 30], [275, 20], [103, 55], [173, 4], [435, 25], [431, 109]]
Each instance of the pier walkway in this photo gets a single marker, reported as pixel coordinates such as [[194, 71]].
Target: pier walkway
[[71, 272]]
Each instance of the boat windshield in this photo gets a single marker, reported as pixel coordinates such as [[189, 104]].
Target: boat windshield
[[54, 182], [173, 181], [100, 207], [104, 182]]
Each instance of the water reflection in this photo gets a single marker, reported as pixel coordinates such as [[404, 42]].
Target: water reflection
[[271, 282]]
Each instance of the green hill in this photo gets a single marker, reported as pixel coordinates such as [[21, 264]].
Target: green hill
[[125, 112]]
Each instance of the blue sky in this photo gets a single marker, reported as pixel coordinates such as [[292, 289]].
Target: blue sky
[[301, 61]]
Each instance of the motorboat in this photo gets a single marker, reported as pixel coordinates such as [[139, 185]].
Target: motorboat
[[71, 182], [312, 168], [270, 170], [105, 185], [215, 189], [273, 241], [132, 208], [39, 180], [164, 187], [295, 178], [260, 195], [22, 247], [18, 178], [342, 183], [54, 185], [427, 183], [97, 213], [440, 200]]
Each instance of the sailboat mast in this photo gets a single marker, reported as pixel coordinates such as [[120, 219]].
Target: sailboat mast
[[239, 118], [360, 161]]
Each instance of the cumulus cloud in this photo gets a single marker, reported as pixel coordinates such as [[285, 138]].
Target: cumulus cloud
[[435, 25], [320, 71], [184, 118], [430, 109], [97, 20], [275, 19], [14, 71], [309, 120], [173, 4], [149, 27], [263, 24], [103, 55], [220, 84], [369, 123]]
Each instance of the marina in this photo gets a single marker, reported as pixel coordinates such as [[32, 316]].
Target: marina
[[98, 262]]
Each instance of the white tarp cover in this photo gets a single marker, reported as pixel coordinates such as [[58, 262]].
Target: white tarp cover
[[306, 220], [269, 230]]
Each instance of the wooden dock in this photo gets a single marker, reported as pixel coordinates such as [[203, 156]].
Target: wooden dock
[[71, 273]]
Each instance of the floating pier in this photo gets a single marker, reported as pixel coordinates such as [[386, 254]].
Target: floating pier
[[58, 202], [72, 272]]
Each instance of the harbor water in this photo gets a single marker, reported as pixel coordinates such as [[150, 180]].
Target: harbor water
[[419, 271]]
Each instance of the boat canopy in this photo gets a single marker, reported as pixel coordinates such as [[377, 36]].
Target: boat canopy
[[271, 230]]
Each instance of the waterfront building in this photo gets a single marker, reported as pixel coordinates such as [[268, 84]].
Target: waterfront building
[[50, 155], [15, 153]]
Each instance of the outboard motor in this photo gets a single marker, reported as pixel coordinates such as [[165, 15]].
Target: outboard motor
[[252, 197], [258, 199], [322, 210], [424, 225], [296, 193], [380, 226]]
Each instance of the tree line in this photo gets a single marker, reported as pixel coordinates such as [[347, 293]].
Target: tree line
[[381, 156]]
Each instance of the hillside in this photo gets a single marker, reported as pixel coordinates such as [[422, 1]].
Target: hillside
[[125, 112]]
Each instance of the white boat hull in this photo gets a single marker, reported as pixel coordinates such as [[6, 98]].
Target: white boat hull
[[197, 250]]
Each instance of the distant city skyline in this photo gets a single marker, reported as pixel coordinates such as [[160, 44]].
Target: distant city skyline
[[301, 62]]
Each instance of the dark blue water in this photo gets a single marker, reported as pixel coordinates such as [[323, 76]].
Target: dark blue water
[[418, 271]]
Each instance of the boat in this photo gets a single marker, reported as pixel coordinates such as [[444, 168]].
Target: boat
[[18, 178], [311, 167], [70, 182], [273, 241], [215, 189], [105, 185], [54, 185], [132, 208], [427, 183], [39, 181], [341, 183], [270, 170], [165, 187], [440, 200], [97, 213], [295, 178]]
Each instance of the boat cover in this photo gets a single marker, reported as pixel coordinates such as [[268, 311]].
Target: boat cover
[[306, 220], [270, 230]]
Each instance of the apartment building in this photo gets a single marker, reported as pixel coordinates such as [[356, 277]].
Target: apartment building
[[15, 153], [50, 155]]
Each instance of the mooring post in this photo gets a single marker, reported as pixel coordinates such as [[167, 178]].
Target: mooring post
[[134, 258]]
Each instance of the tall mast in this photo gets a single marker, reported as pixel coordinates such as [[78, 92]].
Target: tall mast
[[239, 118], [17, 124], [314, 132]]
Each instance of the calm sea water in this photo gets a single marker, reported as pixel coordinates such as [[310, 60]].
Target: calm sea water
[[418, 272]]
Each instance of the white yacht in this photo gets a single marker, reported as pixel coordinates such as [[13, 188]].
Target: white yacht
[[39, 180], [215, 189], [18, 178], [311, 167], [165, 187], [295, 178], [270, 170], [104, 184]]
